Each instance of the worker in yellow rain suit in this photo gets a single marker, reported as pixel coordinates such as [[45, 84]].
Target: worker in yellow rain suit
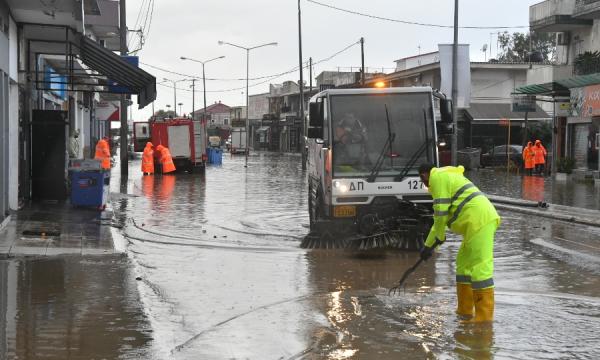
[[459, 205]]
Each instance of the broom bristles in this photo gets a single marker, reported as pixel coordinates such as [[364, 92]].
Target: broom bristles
[[395, 239]]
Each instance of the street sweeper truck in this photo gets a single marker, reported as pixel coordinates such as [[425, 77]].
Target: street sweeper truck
[[365, 146]]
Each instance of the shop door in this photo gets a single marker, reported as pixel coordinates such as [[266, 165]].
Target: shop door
[[48, 158]]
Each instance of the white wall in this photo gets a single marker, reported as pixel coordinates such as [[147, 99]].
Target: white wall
[[259, 105], [496, 84], [13, 122], [219, 118], [416, 61]]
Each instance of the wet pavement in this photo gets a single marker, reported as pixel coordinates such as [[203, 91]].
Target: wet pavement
[[56, 228], [222, 276]]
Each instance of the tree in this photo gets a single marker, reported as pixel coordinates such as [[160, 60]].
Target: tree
[[516, 47], [161, 114], [587, 63]]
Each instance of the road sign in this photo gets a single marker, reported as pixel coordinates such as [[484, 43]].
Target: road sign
[[523, 103]]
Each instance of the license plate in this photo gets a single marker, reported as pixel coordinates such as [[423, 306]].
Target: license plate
[[344, 211]]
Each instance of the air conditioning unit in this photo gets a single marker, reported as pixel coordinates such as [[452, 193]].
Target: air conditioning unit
[[562, 38]]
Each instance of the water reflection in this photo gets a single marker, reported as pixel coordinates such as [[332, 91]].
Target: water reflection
[[533, 188], [474, 341], [78, 308]]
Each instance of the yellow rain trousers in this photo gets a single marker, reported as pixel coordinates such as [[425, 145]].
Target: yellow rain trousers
[[459, 205]]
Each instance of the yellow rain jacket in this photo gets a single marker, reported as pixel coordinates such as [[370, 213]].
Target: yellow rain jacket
[[457, 204]]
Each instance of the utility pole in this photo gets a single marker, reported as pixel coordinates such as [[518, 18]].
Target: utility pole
[[123, 108], [454, 147], [204, 91], [193, 97], [310, 72], [362, 61], [303, 137]]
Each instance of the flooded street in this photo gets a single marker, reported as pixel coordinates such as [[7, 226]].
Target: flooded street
[[71, 307], [222, 277]]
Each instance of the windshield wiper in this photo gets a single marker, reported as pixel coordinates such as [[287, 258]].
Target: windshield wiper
[[388, 145], [413, 159]]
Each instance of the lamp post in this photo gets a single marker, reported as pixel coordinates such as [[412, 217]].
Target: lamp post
[[247, 78], [175, 92], [203, 79]]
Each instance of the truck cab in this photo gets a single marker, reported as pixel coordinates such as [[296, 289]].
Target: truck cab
[[364, 149]]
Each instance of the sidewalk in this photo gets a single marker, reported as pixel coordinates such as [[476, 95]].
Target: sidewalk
[[56, 229]]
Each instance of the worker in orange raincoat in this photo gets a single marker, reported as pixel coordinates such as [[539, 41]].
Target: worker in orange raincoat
[[103, 153], [540, 157], [529, 158], [148, 159], [165, 159]]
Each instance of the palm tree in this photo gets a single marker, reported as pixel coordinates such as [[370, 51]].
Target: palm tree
[[587, 63]]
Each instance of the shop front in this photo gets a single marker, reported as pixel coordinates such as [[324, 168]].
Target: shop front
[[583, 127]]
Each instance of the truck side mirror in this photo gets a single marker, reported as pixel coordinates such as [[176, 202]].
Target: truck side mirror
[[315, 133], [315, 113], [446, 111]]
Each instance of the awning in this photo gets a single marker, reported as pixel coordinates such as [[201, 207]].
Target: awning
[[560, 87], [494, 113], [263, 129], [581, 81], [111, 65], [555, 88]]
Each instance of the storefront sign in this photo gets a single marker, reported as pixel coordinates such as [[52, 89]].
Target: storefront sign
[[585, 102], [108, 111], [563, 109]]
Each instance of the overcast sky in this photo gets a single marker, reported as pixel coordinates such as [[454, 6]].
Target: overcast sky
[[192, 28]]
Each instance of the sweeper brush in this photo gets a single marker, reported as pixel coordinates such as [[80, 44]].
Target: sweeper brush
[[395, 239], [401, 232]]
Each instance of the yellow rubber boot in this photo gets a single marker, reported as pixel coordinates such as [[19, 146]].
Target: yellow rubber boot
[[464, 294], [484, 305]]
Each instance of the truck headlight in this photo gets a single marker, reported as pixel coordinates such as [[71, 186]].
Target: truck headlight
[[341, 187]]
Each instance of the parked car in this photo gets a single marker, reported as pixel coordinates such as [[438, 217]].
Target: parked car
[[498, 156]]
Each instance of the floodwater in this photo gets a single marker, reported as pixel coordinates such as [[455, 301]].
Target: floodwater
[[570, 193], [222, 277], [71, 307]]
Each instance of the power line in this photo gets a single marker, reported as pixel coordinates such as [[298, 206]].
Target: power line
[[412, 22], [268, 77]]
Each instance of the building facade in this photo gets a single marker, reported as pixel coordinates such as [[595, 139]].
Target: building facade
[[57, 62], [483, 124], [574, 79]]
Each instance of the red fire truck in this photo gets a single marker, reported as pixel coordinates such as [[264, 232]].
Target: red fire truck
[[186, 140]]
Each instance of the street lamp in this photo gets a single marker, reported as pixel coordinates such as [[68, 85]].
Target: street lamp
[[247, 78], [203, 81], [175, 92]]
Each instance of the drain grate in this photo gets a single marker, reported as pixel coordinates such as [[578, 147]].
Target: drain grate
[[41, 233]]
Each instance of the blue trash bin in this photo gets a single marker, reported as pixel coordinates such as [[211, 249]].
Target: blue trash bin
[[217, 156], [89, 188]]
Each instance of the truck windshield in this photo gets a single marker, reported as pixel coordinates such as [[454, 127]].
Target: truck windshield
[[360, 131]]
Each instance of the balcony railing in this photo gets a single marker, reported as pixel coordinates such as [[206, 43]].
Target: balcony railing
[[587, 9], [550, 8], [555, 16]]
